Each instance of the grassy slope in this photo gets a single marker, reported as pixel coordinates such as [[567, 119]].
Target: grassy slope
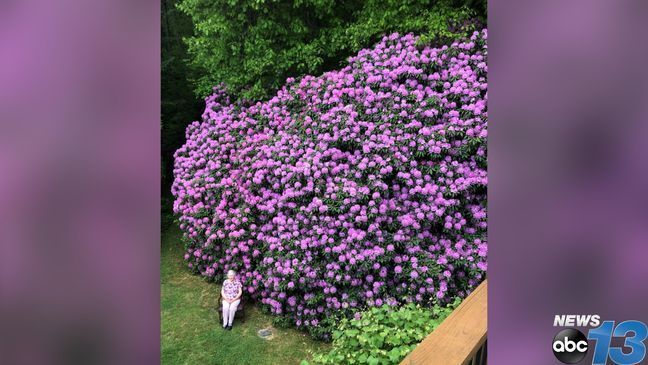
[[191, 334]]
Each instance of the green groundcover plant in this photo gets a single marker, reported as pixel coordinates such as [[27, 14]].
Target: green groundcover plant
[[382, 335]]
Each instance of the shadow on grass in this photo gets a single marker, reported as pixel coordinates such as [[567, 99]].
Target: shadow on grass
[[190, 329]]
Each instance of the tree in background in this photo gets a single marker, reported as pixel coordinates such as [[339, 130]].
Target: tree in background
[[254, 45]]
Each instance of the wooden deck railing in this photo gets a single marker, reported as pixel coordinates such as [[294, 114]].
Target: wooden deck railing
[[460, 339]]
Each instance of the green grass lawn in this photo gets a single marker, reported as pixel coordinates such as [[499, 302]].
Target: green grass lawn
[[190, 330]]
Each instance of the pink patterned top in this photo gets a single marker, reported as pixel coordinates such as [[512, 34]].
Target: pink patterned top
[[231, 288]]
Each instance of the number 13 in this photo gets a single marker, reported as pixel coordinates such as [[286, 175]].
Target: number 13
[[603, 335]]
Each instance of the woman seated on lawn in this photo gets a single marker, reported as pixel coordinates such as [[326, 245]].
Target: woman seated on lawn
[[231, 293]]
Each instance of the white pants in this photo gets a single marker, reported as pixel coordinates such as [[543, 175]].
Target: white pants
[[229, 310]]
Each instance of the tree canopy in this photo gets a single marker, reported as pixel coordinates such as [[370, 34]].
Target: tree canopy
[[252, 46]]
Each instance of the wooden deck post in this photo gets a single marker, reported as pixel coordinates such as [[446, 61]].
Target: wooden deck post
[[460, 339]]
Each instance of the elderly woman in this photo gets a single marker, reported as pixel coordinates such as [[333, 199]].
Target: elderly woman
[[231, 293]]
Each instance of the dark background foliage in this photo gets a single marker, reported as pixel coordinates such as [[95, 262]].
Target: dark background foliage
[[179, 104], [252, 46]]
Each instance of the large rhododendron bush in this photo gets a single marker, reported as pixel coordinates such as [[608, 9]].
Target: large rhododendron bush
[[362, 187]]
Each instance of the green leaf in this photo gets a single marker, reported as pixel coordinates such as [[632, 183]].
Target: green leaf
[[362, 358], [394, 354]]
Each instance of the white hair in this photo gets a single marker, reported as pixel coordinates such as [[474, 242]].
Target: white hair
[[231, 272]]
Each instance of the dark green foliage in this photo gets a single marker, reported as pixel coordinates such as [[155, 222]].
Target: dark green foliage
[[254, 45], [179, 105]]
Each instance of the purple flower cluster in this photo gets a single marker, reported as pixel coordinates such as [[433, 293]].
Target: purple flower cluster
[[364, 186]]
